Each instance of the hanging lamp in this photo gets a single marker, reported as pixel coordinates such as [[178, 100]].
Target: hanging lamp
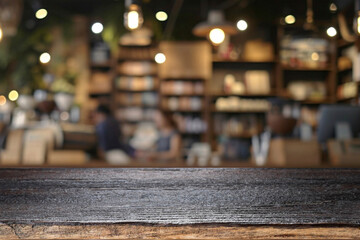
[[215, 27], [133, 17]]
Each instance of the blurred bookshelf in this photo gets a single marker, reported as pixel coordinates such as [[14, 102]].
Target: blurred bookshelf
[[136, 87], [184, 78], [198, 88]]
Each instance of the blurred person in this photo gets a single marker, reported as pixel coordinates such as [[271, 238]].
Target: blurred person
[[109, 138], [168, 144]]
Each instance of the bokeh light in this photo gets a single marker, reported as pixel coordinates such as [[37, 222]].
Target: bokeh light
[[331, 32], [13, 95], [45, 58], [161, 16], [242, 25], [133, 21], [217, 36], [333, 7], [290, 19], [160, 58], [2, 100], [41, 13], [97, 28], [315, 56]]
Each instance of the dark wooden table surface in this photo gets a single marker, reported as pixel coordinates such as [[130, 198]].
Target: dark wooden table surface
[[33, 201]]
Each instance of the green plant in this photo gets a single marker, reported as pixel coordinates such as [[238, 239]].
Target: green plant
[[19, 62]]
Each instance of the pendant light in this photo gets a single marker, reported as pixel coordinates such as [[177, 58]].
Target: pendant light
[[133, 17], [215, 28], [309, 23]]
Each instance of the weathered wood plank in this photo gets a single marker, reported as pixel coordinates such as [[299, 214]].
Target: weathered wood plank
[[180, 196], [203, 231]]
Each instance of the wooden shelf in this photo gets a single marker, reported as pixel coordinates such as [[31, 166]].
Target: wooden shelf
[[346, 99], [120, 105], [214, 110], [306, 101], [347, 70], [136, 60], [183, 110], [271, 94], [242, 61], [135, 45], [316, 102], [341, 43], [183, 94], [305, 69], [313, 102], [183, 79], [106, 65], [134, 121], [243, 135], [192, 133], [94, 95], [119, 74], [136, 91]]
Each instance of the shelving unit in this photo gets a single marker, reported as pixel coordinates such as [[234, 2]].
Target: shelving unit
[[347, 88], [136, 87], [184, 88], [101, 66], [238, 111], [248, 95], [320, 72], [191, 81], [237, 122]]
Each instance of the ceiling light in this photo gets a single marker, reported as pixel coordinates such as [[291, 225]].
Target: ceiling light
[[45, 57], [41, 13], [290, 19], [133, 18], [97, 28], [331, 32], [242, 25], [333, 7], [161, 16], [160, 58], [217, 36]]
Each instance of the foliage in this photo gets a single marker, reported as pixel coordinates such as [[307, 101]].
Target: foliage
[[19, 55]]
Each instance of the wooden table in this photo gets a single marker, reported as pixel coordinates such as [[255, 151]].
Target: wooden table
[[206, 203]]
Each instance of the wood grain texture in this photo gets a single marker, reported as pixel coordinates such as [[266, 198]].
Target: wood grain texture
[[180, 196], [203, 231]]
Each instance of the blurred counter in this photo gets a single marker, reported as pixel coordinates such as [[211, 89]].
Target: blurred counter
[[50, 143]]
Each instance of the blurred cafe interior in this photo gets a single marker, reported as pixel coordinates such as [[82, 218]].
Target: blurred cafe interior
[[155, 83]]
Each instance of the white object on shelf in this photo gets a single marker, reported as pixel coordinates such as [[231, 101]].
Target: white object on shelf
[[26, 102], [63, 101], [257, 82], [261, 147]]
